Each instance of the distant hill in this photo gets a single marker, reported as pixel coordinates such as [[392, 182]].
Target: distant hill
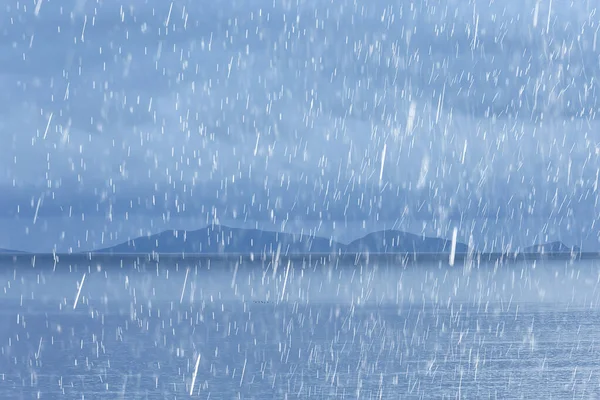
[[219, 239], [12, 251], [551, 248], [391, 241]]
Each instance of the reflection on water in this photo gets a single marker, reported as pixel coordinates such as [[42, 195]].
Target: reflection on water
[[511, 331]]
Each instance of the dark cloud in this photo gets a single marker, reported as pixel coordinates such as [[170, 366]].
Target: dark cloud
[[318, 200]]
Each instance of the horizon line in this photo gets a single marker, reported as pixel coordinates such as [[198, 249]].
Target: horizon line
[[356, 257]]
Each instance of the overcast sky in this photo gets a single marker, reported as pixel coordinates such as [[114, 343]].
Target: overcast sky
[[120, 118]]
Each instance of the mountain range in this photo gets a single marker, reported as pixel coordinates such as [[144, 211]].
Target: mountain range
[[552, 248], [219, 239], [224, 240]]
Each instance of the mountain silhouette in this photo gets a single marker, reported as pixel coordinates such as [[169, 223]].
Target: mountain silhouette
[[219, 239], [551, 248], [392, 241]]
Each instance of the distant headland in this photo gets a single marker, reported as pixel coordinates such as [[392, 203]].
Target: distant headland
[[221, 242], [220, 239]]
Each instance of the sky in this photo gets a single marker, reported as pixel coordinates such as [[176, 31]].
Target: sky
[[338, 117]]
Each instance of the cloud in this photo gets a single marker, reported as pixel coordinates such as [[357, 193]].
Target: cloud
[[107, 106]]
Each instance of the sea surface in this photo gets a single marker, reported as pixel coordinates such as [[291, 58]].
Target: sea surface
[[176, 330]]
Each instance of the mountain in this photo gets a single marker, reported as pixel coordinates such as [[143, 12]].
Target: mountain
[[551, 248], [391, 241], [12, 251], [219, 239]]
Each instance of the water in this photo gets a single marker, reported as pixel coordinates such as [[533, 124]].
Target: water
[[372, 332]]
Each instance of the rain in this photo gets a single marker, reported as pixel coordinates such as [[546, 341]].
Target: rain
[[299, 199]]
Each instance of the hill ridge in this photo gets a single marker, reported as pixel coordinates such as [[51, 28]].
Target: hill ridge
[[219, 239]]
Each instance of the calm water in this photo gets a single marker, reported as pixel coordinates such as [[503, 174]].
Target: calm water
[[371, 332]]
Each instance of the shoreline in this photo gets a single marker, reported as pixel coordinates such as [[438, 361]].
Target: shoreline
[[354, 258]]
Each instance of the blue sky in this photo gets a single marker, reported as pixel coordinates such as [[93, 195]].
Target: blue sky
[[120, 118]]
